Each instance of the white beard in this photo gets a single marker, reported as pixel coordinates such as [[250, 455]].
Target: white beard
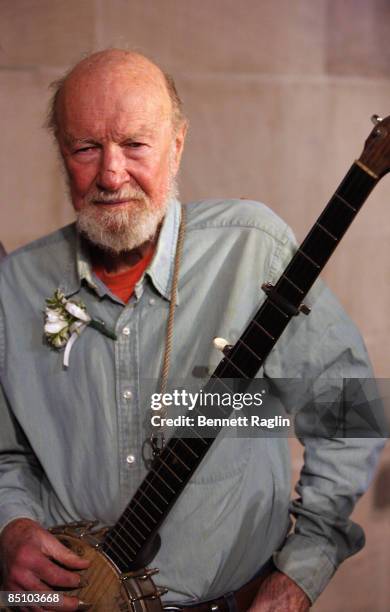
[[127, 227]]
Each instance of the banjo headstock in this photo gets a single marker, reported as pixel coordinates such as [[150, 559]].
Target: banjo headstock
[[376, 152]]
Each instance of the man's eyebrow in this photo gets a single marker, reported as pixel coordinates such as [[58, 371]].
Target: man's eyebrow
[[140, 133], [71, 140], [146, 131]]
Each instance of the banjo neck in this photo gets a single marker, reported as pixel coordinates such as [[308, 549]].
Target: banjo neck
[[133, 541]]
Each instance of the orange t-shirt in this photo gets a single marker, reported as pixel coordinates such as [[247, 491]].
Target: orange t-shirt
[[122, 284]]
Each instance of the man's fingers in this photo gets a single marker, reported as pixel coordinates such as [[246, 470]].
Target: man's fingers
[[36, 565], [56, 576], [51, 547], [32, 563], [30, 582]]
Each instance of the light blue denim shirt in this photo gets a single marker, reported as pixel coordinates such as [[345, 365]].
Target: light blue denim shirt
[[68, 437]]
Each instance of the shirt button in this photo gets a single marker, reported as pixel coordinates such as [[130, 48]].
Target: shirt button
[[126, 331], [152, 301], [127, 394], [130, 458]]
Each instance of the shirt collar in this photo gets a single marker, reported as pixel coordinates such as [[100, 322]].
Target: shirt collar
[[160, 270]]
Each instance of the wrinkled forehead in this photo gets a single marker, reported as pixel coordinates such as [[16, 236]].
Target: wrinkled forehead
[[114, 95]]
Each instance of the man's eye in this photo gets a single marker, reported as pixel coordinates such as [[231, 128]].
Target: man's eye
[[84, 149], [135, 145]]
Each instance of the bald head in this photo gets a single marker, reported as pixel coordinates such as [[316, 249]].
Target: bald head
[[100, 71]]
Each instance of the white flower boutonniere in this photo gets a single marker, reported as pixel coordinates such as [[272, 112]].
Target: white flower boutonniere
[[65, 320]]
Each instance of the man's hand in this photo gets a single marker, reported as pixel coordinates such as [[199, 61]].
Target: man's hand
[[279, 593], [28, 552]]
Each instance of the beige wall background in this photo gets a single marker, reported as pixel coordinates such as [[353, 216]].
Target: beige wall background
[[279, 94]]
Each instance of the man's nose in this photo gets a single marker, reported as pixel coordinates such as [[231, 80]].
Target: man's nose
[[112, 172]]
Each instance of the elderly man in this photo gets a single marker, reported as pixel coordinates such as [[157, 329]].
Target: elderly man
[[71, 437]]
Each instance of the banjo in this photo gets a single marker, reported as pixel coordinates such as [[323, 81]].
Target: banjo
[[118, 578]]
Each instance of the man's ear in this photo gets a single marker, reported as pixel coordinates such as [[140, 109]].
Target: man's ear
[[179, 140]]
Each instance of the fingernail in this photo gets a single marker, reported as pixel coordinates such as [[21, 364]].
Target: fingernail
[[83, 605]]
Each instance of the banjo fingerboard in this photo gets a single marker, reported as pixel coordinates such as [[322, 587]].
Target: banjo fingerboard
[[173, 468]]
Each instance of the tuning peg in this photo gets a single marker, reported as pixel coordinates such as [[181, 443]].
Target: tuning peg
[[222, 345], [376, 119], [151, 571], [305, 309], [162, 591]]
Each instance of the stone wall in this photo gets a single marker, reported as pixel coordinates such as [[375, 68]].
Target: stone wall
[[279, 94]]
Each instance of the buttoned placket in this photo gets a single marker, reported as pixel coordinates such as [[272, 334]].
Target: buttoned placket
[[127, 398], [130, 427], [126, 383]]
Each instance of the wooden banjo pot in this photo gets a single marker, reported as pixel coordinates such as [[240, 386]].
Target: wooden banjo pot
[[105, 588]]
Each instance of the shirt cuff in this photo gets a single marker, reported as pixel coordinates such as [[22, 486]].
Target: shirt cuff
[[10, 513], [305, 561]]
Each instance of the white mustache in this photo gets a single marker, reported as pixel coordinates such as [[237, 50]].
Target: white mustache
[[111, 197]]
